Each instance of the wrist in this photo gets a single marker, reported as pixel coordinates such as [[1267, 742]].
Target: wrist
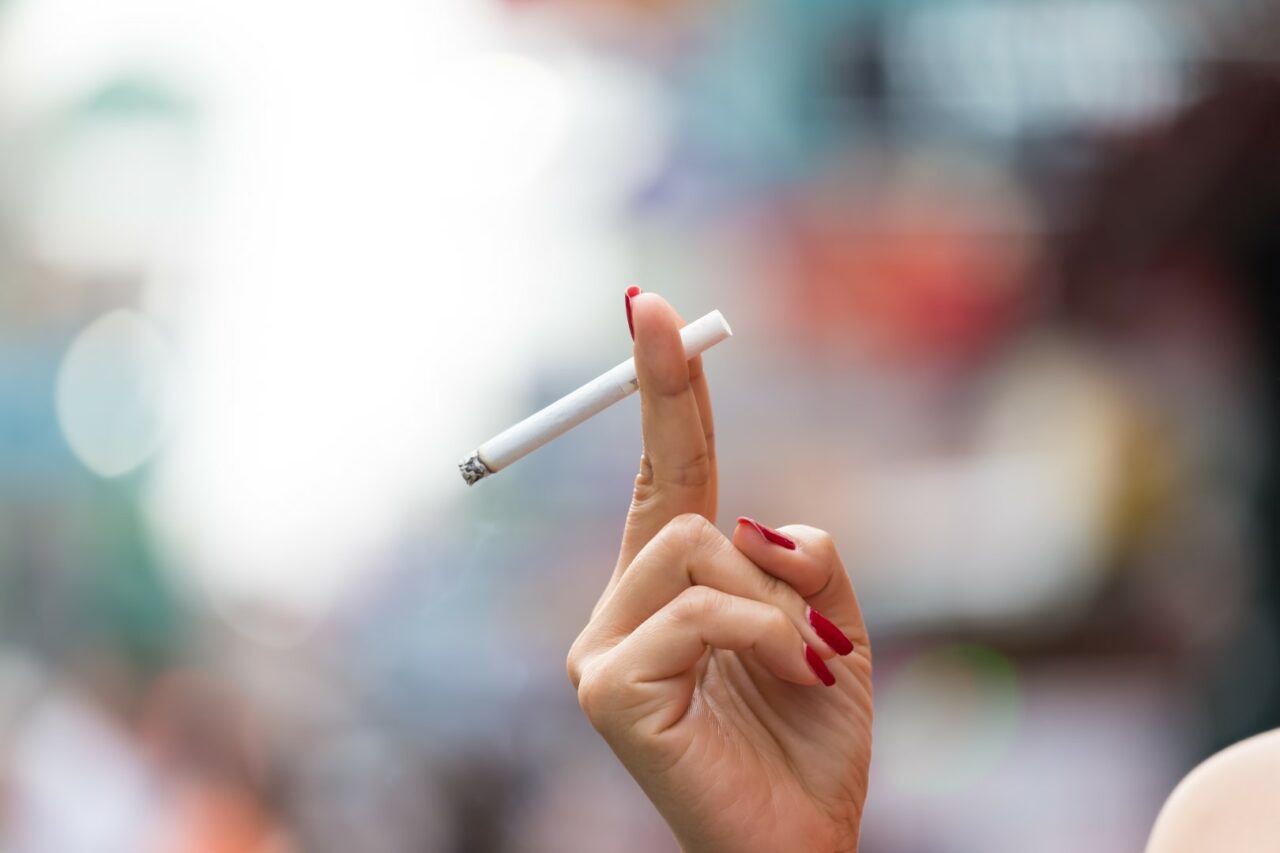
[[837, 840]]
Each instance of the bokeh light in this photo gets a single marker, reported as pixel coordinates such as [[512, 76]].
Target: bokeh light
[[112, 392]]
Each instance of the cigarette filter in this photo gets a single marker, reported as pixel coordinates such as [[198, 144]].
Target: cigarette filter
[[577, 406]]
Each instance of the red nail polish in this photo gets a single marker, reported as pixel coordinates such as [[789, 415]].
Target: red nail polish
[[772, 535], [830, 634], [819, 668], [631, 291]]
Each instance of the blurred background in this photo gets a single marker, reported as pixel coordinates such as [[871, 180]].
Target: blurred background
[[1003, 276]]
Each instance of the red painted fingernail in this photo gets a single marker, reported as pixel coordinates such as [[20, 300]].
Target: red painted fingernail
[[819, 668], [772, 535], [631, 291], [830, 634]]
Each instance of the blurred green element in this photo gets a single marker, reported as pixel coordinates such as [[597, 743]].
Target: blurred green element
[[126, 601], [77, 574], [132, 96]]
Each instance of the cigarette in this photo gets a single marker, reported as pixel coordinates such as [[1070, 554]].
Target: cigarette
[[577, 406]]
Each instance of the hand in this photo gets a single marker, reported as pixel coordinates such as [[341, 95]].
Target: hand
[[700, 665]]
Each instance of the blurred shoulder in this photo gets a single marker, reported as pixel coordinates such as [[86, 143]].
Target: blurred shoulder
[[1229, 804]]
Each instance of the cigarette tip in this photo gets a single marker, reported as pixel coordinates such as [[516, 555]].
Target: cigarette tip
[[473, 470]]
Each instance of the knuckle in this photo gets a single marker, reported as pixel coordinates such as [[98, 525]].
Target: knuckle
[[778, 622], [693, 472], [689, 530], [574, 662], [596, 692], [695, 603]]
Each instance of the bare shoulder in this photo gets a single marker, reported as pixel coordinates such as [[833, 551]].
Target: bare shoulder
[[1229, 804]]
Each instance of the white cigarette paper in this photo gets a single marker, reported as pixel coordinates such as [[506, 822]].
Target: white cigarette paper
[[577, 406]]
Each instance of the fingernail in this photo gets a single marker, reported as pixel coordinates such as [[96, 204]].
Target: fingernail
[[772, 535], [819, 668], [830, 634], [631, 291]]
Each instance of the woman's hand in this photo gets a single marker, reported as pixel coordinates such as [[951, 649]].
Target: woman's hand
[[703, 661]]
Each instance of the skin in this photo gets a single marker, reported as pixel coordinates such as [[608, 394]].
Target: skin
[[1227, 804], [692, 665]]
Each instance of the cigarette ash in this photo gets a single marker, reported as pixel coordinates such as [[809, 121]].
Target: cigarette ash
[[473, 470]]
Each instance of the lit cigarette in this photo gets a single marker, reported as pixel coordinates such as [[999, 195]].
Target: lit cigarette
[[577, 406]]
